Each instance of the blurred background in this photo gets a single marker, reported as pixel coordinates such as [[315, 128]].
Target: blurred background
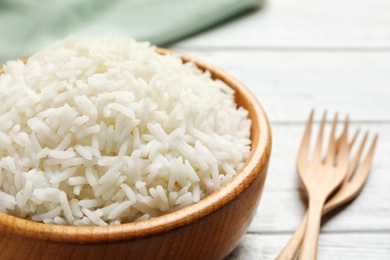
[[28, 26], [293, 55]]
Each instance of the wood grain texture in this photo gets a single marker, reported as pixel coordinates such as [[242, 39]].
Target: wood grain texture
[[290, 83], [341, 246], [296, 55], [320, 178], [283, 206], [210, 237], [350, 188], [209, 229]]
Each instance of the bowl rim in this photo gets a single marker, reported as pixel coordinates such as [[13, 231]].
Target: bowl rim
[[253, 167]]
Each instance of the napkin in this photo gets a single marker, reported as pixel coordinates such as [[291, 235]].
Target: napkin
[[27, 26]]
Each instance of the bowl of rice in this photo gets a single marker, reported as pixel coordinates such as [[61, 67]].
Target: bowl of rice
[[112, 148]]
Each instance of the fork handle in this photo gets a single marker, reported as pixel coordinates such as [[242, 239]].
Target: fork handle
[[310, 242], [291, 248]]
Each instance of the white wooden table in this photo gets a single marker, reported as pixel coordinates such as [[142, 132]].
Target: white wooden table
[[296, 55]]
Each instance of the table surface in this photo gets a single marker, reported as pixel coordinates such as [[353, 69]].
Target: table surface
[[299, 55]]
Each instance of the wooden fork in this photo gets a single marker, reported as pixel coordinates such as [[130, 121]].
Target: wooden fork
[[352, 185], [320, 177]]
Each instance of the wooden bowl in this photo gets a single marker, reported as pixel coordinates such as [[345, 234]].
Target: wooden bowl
[[209, 229]]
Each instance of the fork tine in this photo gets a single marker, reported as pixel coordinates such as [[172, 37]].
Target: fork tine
[[362, 172], [318, 149], [343, 145], [355, 160], [354, 139], [330, 156], [303, 152], [350, 144]]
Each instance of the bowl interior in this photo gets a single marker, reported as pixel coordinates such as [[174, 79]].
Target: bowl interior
[[260, 152]]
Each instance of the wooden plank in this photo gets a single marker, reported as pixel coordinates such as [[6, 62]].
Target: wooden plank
[[282, 205], [290, 83], [331, 246], [295, 55], [303, 24]]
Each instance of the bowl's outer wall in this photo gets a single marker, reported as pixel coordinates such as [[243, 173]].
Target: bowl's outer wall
[[212, 234], [212, 237]]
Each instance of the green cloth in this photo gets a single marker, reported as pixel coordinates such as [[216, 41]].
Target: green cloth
[[26, 26]]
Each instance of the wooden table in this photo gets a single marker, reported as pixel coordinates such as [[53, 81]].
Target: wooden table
[[297, 55]]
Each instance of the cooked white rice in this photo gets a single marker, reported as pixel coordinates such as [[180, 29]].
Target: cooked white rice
[[104, 131]]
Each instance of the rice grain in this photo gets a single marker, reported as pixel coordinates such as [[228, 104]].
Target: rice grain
[[104, 131]]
